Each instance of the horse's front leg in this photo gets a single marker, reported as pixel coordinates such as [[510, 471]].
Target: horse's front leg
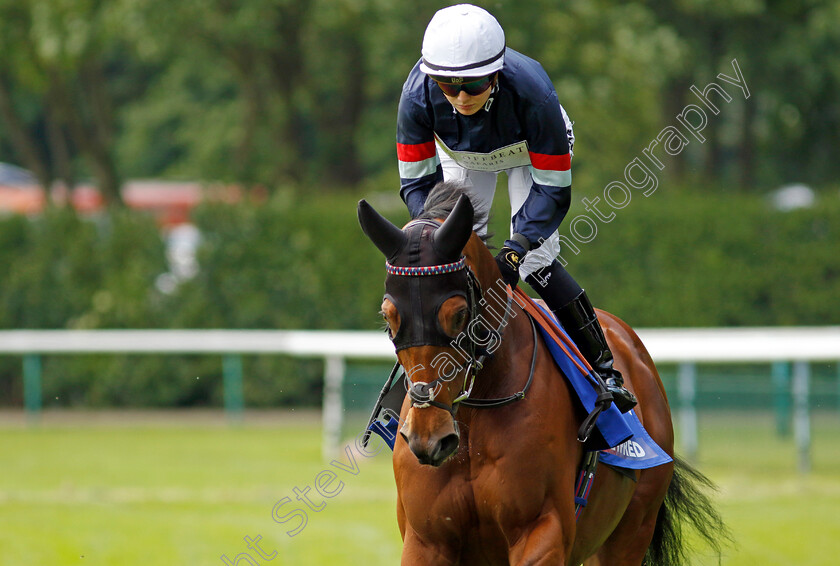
[[548, 542], [417, 552]]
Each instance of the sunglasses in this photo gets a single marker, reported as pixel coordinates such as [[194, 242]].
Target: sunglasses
[[473, 88]]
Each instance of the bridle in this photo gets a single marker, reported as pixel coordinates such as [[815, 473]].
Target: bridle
[[422, 393]]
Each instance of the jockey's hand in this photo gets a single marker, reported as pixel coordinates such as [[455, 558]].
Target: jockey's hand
[[509, 261]]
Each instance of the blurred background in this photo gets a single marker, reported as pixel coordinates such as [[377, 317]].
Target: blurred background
[[196, 165]]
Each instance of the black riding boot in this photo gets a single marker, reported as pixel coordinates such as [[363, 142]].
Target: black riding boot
[[579, 320]]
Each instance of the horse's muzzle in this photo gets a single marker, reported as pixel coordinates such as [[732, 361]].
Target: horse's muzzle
[[434, 453], [432, 449]]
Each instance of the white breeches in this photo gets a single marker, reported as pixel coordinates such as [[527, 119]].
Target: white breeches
[[481, 187]]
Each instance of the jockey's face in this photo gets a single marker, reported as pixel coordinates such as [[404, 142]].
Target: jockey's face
[[468, 104]]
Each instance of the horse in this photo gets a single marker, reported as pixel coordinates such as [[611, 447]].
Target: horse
[[487, 455]]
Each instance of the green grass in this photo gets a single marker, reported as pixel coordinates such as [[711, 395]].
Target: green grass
[[777, 515], [168, 490]]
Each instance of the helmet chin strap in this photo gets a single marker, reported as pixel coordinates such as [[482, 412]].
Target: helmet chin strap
[[490, 100]]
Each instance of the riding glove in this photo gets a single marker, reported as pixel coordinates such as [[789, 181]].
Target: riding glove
[[509, 260]]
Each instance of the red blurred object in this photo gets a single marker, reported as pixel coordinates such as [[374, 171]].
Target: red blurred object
[[169, 201], [22, 200]]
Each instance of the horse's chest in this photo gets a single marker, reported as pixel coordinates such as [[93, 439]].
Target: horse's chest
[[488, 503]]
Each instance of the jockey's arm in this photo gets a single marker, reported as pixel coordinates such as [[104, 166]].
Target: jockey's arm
[[418, 162], [550, 195]]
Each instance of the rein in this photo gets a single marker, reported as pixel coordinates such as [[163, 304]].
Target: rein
[[422, 393], [493, 403]]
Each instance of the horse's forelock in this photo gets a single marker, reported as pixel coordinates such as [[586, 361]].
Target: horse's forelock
[[443, 198]]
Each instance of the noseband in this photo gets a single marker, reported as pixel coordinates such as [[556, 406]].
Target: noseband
[[422, 393]]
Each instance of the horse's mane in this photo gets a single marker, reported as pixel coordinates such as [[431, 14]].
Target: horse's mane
[[442, 200]]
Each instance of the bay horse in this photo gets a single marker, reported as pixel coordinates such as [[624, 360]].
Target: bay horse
[[495, 484]]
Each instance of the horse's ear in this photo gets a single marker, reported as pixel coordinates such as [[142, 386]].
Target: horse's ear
[[384, 235], [452, 236]]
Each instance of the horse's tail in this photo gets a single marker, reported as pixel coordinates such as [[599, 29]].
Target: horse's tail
[[686, 502]]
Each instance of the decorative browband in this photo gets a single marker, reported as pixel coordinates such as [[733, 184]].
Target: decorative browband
[[426, 269]]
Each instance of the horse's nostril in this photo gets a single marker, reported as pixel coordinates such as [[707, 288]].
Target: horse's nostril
[[433, 453], [447, 445]]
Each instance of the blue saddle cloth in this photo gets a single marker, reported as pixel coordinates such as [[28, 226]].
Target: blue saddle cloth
[[637, 453], [621, 438], [386, 429]]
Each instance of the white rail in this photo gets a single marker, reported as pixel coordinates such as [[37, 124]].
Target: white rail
[[668, 345], [315, 343], [802, 343]]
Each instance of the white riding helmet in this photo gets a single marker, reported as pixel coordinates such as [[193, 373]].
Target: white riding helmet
[[463, 41]]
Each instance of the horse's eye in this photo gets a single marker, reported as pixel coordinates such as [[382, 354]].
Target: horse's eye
[[453, 315], [459, 319], [386, 326]]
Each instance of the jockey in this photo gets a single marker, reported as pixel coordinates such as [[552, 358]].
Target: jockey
[[472, 107]]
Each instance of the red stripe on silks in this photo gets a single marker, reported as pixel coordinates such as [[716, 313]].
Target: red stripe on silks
[[416, 152], [551, 162]]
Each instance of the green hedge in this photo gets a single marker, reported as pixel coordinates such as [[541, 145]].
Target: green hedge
[[687, 259], [300, 261]]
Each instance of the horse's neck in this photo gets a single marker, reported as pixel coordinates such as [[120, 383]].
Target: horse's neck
[[482, 262], [516, 343]]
